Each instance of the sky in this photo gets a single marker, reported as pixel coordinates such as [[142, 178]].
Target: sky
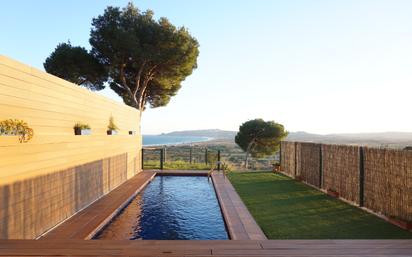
[[330, 66]]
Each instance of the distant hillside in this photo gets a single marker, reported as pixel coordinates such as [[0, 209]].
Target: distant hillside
[[213, 133], [383, 139]]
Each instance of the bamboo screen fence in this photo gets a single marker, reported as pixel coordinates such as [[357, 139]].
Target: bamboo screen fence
[[378, 179]]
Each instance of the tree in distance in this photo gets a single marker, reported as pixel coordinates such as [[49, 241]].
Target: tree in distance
[[142, 59], [259, 138]]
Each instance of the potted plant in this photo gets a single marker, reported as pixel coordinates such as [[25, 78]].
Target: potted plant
[[112, 128], [405, 224], [18, 128], [276, 167], [332, 192], [82, 129]]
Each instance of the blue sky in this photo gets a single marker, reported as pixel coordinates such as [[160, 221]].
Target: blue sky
[[326, 66]]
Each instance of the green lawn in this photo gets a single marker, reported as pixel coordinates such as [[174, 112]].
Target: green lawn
[[287, 209]]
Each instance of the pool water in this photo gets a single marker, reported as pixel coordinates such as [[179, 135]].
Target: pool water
[[170, 208]]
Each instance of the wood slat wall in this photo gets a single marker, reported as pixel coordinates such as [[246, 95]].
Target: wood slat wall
[[51, 106]]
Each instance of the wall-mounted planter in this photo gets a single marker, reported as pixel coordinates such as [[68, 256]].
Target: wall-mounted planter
[[333, 193], [112, 132], [10, 138], [81, 132], [276, 168], [132, 132], [8, 134], [16, 128]]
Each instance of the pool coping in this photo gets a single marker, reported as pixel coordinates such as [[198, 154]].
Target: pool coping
[[239, 222], [86, 223]]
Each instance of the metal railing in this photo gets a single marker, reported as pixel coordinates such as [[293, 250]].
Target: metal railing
[[199, 157], [166, 157]]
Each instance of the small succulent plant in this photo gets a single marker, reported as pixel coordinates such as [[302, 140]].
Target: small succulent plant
[[81, 126], [112, 125]]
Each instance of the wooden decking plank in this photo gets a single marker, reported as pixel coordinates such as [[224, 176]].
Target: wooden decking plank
[[181, 172], [85, 223], [318, 252], [241, 225], [287, 248], [131, 244], [309, 244]]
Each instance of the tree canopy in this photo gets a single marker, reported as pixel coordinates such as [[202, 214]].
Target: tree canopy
[[260, 138], [76, 65], [145, 60]]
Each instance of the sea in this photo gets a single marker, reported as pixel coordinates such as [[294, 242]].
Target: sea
[[153, 140]]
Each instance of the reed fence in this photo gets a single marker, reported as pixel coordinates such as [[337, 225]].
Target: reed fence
[[378, 179]]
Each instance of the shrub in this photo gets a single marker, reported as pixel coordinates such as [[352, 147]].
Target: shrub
[[81, 126], [16, 128], [112, 125]]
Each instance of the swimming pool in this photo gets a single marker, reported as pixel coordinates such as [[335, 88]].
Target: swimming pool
[[170, 208]]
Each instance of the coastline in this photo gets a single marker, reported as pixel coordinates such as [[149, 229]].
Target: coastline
[[206, 140]]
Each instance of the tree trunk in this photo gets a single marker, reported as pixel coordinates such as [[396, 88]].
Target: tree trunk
[[249, 148], [246, 159]]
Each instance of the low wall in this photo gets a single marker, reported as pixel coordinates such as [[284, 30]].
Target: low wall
[[378, 179], [54, 175]]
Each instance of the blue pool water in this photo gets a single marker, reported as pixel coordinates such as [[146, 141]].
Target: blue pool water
[[170, 208]]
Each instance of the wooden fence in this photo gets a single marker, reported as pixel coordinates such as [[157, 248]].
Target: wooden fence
[[378, 179], [56, 173]]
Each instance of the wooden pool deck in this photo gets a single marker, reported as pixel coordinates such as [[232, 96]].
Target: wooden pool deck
[[180, 172], [240, 223], [286, 248], [86, 223], [68, 238]]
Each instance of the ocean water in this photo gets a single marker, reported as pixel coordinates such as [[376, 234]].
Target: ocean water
[[171, 140]]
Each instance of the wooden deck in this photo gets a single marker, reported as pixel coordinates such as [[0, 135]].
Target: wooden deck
[[240, 223], [90, 220], [181, 172], [66, 239], [85, 224], [295, 248]]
